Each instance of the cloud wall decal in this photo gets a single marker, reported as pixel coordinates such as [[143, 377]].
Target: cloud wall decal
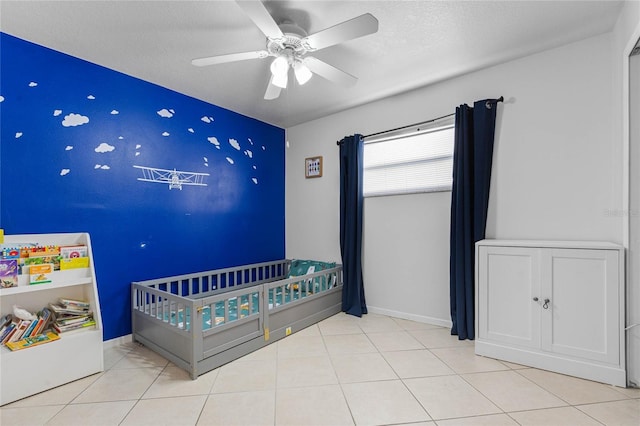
[[104, 147], [73, 120], [165, 113], [234, 143]]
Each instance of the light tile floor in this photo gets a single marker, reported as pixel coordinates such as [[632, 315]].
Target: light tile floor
[[343, 371]]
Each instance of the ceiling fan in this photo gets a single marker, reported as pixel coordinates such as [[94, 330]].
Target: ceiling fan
[[289, 45]]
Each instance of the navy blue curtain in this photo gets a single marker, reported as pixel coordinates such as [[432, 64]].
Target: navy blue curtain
[[351, 206], [472, 157]]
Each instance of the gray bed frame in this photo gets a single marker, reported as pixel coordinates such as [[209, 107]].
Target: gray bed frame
[[188, 344]]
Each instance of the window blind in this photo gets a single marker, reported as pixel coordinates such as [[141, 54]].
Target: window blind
[[417, 162]]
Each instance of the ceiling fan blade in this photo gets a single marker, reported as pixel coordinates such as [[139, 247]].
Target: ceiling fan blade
[[348, 30], [273, 91], [261, 17], [329, 72], [232, 57]]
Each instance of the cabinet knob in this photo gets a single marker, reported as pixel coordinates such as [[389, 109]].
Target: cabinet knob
[[546, 303], [535, 299]]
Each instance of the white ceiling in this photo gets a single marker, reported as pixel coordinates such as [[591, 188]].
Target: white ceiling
[[418, 43]]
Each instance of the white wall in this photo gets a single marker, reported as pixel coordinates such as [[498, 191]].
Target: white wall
[[556, 173], [406, 256], [556, 168]]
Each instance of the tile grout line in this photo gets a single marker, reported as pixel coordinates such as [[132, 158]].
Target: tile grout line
[[344, 397], [402, 380], [478, 390], [575, 407], [100, 375]]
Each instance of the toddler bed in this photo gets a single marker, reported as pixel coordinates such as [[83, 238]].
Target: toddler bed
[[203, 320]]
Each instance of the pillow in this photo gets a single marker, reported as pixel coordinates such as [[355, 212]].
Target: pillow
[[300, 267]]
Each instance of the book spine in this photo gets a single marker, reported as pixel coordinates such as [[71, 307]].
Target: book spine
[[62, 329], [22, 327], [28, 332], [7, 332], [38, 328], [74, 320], [43, 320], [75, 303]]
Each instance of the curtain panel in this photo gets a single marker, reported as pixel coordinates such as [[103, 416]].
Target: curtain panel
[[351, 208], [472, 159]]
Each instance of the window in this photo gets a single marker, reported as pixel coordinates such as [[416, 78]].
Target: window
[[418, 160]]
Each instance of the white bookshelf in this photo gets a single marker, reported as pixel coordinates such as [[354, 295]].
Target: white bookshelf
[[74, 356]]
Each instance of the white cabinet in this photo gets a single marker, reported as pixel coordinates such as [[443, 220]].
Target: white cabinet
[[553, 305], [75, 355]]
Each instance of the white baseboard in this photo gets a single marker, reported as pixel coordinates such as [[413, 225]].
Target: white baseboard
[[117, 341], [412, 317]]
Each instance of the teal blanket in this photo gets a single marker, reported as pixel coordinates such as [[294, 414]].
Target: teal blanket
[[178, 317]]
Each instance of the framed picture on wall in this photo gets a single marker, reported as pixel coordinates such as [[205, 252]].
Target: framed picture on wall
[[313, 167]]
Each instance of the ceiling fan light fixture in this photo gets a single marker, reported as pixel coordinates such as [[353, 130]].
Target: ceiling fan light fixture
[[302, 72], [279, 66], [280, 80]]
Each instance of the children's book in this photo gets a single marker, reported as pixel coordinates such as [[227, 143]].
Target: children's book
[[74, 263], [44, 251], [33, 341], [40, 274], [74, 303], [29, 331], [20, 329], [9, 332], [43, 319], [70, 252], [6, 334], [67, 310], [73, 319], [64, 328], [37, 259], [6, 322], [16, 250], [8, 273]]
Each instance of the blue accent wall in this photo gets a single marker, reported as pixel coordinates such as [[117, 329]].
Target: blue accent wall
[[71, 134]]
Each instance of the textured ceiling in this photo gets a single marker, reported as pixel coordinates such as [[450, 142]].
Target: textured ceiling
[[418, 43]]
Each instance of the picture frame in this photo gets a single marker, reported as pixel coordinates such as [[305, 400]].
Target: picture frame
[[313, 167]]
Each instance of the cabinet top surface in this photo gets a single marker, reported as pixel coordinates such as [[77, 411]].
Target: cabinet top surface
[[551, 244]]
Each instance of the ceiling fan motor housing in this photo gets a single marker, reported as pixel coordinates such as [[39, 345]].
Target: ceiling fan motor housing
[[290, 45]]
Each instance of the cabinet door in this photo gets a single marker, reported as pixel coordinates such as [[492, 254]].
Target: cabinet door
[[508, 280], [581, 318]]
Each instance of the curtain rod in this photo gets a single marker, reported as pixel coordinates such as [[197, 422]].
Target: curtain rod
[[500, 99]]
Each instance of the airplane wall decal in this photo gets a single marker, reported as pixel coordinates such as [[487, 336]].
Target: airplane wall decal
[[175, 178]]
